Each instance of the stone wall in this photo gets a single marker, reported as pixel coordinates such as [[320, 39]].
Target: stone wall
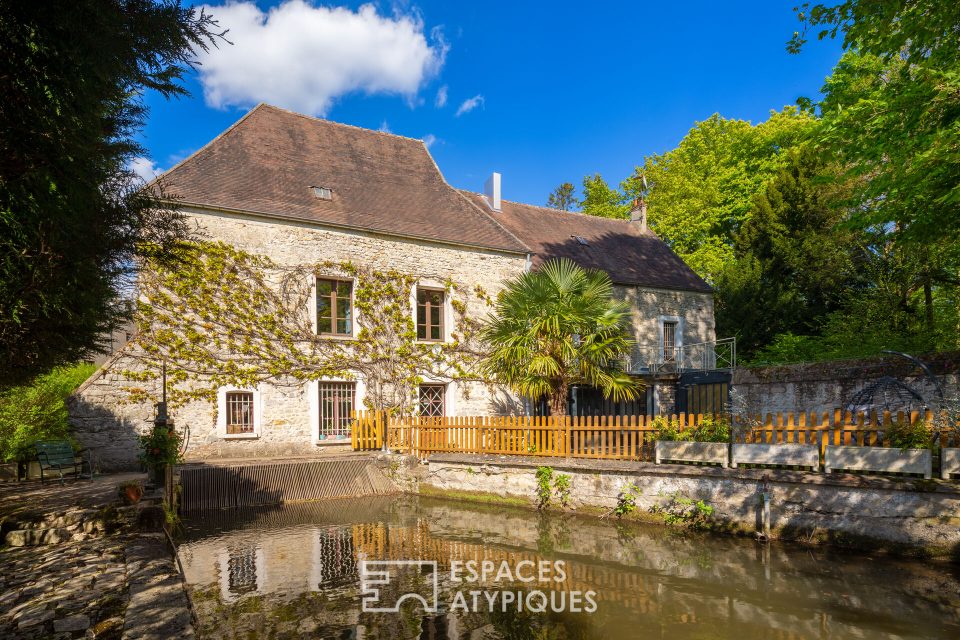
[[864, 512], [107, 423], [825, 386], [695, 310]]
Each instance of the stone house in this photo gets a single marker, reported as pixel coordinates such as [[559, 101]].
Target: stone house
[[302, 190]]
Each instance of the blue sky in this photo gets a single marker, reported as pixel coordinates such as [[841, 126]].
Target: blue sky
[[565, 89]]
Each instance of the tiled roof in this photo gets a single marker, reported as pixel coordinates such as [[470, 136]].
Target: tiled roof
[[629, 255], [268, 161]]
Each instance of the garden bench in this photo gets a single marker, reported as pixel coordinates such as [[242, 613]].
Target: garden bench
[[59, 455]]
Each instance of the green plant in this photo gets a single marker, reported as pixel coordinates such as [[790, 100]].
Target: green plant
[[668, 429], [709, 429], [681, 510], [903, 434], [626, 500], [544, 476], [130, 492], [561, 485], [161, 447], [38, 410]]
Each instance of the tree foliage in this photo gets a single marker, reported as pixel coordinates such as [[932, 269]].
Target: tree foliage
[[219, 316], [556, 327], [600, 199], [563, 197], [73, 220], [38, 411], [701, 193]]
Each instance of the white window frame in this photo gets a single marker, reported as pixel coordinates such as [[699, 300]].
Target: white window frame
[[222, 413], [315, 320], [313, 395], [447, 309], [677, 336]]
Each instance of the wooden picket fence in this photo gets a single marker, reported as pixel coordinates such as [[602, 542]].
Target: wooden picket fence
[[613, 437]]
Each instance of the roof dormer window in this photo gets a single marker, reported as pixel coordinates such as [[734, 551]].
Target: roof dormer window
[[324, 193]]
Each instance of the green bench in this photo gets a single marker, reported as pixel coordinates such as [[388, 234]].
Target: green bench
[[58, 455]]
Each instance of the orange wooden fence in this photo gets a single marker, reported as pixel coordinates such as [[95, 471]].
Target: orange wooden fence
[[611, 437]]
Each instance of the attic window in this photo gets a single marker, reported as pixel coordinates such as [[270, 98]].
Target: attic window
[[324, 193], [581, 240]]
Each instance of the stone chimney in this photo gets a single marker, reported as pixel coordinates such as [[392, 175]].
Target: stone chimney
[[638, 214], [491, 191]]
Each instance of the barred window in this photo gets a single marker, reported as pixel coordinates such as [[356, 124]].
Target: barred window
[[430, 315], [336, 405], [669, 341], [240, 412], [335, 307], [431, 400]]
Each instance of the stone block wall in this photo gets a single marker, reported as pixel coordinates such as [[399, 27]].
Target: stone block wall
[[826, 386], [694, 308], [105, 421]]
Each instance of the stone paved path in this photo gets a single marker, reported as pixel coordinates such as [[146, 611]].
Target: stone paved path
[[111, 584]]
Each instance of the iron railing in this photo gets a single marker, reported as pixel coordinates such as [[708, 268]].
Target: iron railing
[[716, 355]]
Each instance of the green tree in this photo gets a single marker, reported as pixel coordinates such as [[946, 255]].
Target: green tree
[[73, 219], [600, 199], [892, 106], [794, 262], [701, 193], [555, 327], [563, 197]]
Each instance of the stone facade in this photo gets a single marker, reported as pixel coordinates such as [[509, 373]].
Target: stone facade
[[107, 423], [287, 416]]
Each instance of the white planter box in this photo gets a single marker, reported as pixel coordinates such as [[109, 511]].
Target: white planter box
[[786, 454], [713, 452], [884, 459], [949, 462]]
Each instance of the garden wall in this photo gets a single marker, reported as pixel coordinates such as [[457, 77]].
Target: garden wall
[[825, 386], [857, 511]]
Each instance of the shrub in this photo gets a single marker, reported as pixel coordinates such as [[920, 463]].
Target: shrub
[[904, 435], [38, 411], [710, 429], [669, 429], [160, 447]]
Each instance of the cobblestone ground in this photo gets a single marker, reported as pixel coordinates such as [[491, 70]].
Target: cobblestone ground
[[68, 590], [79, 566]]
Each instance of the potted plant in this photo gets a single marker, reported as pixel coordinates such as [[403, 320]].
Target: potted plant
[[792, 454], [159, 449], [130, 492], [908, 452], [706, 442]]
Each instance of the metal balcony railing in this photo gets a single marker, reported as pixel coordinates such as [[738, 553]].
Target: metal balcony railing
[[703, 356]]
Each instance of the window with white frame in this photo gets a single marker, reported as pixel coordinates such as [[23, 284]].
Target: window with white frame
[[334, 307], [240, 413], [431, 307], [336, 404], [431, 400]]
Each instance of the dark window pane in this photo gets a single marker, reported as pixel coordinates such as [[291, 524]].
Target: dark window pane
[[324, 287], [435, 332]]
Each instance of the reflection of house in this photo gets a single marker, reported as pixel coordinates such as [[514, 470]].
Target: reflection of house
[[304, 191]]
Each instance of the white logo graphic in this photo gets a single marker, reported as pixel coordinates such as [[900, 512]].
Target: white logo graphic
[[381, 572]]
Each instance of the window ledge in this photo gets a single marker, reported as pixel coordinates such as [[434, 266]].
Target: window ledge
[[240, 436], [336, 336], [328, 442]]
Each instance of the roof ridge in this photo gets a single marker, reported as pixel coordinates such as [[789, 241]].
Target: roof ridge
[[339, 124]]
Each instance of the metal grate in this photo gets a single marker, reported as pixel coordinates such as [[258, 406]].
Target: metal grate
[[242, 571], [240, 412], [431, 400], [669, 341], [337, 401]]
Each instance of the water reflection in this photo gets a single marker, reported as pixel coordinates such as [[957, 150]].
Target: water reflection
[[293, 572]]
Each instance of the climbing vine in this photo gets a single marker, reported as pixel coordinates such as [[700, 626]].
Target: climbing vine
[[219, 316]]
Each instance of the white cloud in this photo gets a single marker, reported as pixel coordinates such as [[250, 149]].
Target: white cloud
[[384, 127], [470, 104], [441, 99], [303, 57], [144, 168], [429, 140]]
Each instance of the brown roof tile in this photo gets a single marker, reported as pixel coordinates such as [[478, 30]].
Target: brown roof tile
[[630, 256], [268, 161]]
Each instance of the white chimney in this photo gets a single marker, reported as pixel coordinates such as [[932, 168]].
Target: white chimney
[[491, 191], [638, 215]]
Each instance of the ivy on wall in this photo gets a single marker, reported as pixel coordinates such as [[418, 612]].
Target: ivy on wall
[[219, 316]]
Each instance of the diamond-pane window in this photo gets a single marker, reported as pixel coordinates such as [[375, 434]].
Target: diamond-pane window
[[431, 400]]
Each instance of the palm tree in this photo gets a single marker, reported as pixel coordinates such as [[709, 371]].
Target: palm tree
[[556, 327]]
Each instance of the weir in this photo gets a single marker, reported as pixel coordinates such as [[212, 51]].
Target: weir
[[231, 484]]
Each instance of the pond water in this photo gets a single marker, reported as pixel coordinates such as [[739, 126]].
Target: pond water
[[295, 571]]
